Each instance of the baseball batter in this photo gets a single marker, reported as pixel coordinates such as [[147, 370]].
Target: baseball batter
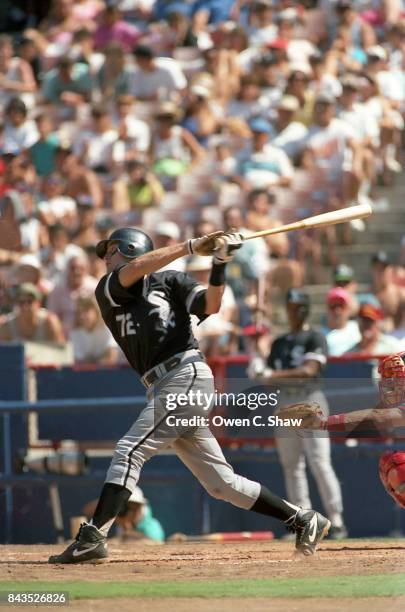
[[388, 414], [148, 313]]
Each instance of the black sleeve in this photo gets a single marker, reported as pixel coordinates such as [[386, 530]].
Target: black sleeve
[[111, 294], [188, 293], [316, 348], [274, 353]]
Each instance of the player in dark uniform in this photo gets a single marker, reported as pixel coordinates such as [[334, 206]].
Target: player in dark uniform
[[148, 313], [298, 357]]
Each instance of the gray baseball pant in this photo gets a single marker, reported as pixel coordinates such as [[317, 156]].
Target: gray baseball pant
[[195, 446]]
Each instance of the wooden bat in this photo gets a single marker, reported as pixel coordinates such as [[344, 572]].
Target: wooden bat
[[329, 218]]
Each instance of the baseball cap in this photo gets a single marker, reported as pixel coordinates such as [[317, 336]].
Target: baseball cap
[[169, 229], [325, 98], [30, 260], [28, 289], [200, 90], [137, 496], [370, 311], [343, 273], [288, 103], [377, 51], [381, 257], [297, 296], [338, 294], [278, 43], [260, 125]]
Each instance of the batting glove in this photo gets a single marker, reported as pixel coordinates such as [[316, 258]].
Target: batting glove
[[206, 245], [228, 244]]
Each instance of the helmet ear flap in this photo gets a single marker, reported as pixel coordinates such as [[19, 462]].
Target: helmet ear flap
[[101, 248]]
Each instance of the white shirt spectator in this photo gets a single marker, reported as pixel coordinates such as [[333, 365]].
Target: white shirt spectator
[[91, 345], [167, 77], [16, 139], [98, 147], [329, 144], [291, 138], [341, 340], [138, 131], [362, 121]]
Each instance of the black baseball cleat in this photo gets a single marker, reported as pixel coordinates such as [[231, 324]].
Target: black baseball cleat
[[310, 528], [90, 546]]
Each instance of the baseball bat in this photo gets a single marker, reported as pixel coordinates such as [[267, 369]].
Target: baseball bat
[[329, 218]]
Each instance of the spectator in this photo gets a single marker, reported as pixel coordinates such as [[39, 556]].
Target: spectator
[[137, 190], [30, 322], [389, 294], [199, 116], [361, 33], [80, 181], [134, 134], [155, 78], [114, 76], [250, 262], [168, 233], [297, 86], [343, 276], [288, 134], [42, 152], [248, 103], [63, 299], [85, 233], [95, 147], [56, 255], [113, 28], [92, 341], [328, 141], [263, 165], [341, 332], [20, 133], [68, 86], [53, 206], [261, 215], [373, 341], [173, 148], [16, 75]]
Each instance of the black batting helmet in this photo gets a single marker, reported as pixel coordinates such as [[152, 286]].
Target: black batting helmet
[[297, 296], [131, 243]]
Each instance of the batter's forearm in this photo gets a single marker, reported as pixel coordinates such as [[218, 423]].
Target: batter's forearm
[[151, 262]]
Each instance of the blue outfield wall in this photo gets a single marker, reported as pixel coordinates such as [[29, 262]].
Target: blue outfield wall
[[178, 501]]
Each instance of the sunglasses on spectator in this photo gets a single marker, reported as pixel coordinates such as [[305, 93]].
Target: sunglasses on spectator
[[27, 300]]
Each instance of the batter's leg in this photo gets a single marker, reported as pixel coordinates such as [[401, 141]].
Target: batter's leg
[[203, 456]]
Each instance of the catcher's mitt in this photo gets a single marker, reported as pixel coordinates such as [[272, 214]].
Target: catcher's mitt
[[392, 474], [310, 413]]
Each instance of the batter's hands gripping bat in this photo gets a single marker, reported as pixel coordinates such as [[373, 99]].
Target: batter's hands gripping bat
[[329, 218]]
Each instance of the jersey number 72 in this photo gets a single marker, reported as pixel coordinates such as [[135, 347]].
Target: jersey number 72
[[127, 324]]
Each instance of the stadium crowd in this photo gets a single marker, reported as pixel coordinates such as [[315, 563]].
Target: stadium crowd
[[184, 117]]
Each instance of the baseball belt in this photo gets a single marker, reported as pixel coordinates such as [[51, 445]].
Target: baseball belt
[[152, 375]]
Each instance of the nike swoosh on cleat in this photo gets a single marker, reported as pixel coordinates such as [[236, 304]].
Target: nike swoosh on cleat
[[313, 526], [78, 553]]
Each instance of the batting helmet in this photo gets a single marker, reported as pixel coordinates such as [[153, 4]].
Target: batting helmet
[[392, 383], [297, 296], [131, 243]]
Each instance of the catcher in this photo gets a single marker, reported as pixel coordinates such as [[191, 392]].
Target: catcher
[[388, 414]]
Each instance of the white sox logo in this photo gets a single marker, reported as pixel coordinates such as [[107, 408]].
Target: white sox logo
[[157, 298]]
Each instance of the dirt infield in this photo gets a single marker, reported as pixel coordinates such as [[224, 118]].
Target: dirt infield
[[203, 562]]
